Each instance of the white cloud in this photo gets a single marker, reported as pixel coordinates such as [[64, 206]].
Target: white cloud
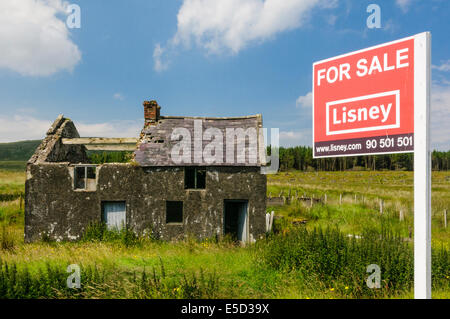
[[33, 40], [159, 65], [304, 101], [440, 117], [295, 138], [403, 4], [445, 66], [219, 26], [118, 96], [122, 128], [390, 26], [332, 19], [24, 127], [19, 127]]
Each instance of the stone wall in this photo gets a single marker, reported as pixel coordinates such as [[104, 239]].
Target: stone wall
[[53, 207]]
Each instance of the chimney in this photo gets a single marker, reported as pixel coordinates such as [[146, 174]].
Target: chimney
[[151, 111]]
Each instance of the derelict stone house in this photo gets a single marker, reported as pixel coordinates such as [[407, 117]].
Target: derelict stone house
[[156, 191]]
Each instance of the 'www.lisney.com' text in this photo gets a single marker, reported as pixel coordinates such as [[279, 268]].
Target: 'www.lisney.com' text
[[376, 144], [339, 147]]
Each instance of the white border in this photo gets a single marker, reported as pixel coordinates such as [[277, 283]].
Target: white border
[[369, 128]]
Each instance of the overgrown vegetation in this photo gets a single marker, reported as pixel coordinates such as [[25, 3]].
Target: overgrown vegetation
[[96, 232], [50, 281], [327, 257], [99, 157]]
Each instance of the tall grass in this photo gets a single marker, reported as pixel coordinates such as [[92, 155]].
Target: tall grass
[[158, 285], [329, 258], [6, 238], [51, 282]]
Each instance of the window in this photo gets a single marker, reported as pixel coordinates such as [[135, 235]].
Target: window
[[194, 178], [174, 212], [114, 214], [84, 177]]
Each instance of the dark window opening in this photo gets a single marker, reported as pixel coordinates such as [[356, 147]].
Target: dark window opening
[[174, 212], [84, 177], [80, 181], [194, 177]]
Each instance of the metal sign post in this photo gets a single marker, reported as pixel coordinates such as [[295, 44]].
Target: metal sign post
[[422, 168]]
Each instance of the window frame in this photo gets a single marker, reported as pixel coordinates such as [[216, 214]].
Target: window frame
[[85, 178], [196, 170]]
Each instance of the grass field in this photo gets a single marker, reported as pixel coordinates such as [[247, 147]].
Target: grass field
[[317, 260], [361, 194]]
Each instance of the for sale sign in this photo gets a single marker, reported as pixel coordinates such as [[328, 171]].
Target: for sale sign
[[363, 101]]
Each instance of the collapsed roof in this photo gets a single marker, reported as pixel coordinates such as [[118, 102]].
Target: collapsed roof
[[166, 141]]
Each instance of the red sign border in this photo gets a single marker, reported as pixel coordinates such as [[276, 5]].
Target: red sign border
[[414, 37]]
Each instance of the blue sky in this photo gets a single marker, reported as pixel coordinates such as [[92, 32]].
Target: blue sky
[[195, 57]]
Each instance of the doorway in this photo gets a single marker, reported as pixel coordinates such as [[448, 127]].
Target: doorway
[[236, 219]]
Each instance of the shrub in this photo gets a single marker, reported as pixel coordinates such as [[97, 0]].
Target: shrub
[[158, 285], [100, 232], [50, 282]]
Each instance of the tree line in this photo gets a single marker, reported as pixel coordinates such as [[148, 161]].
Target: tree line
[[300, 158]]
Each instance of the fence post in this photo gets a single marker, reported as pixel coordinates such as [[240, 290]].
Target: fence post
[[355, 198], [401, 215], [271, 220], [445, 218], [312, 198], [325, 198], [340, 199], [381, 206]]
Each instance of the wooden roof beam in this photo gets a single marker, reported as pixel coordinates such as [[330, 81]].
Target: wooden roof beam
[[99, 140]]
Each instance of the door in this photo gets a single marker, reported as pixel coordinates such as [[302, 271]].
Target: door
[[114, 215], [236, 219]]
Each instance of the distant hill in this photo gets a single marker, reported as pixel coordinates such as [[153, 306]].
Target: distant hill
[[18, 151]]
